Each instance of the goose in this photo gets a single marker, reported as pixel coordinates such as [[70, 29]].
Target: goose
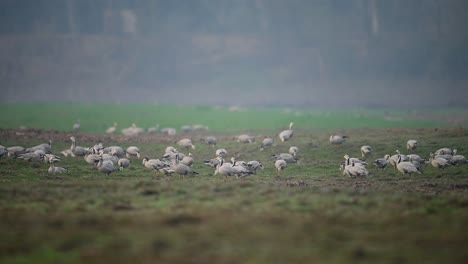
[[133, 130], [67, 153], [170, 149], [416, 163], [293, 151], [76, 125], [31, 156], [115, 150], [123, 163], [241, 170], [51, 158], [444, 151], [110, 156], [394, 158], [180, 168], [442, 156], [187, 160], [46, 147], [210, 140], [15, 151], [457, 159], [53, 170], [411, 144], [92, 158], [169, 131], [266, 143], [225, 169], [97, 148], [221, 153], [337, 139], [354, 170], [382, 162], [438, 162], [286, 135], [286, 157], [154, 164], [105, 166], [3, 151], [366, 151], [350, 160], [186, 143], [415, 157], [132, 151], [77, 150], [280, 165], [244, 138], [406, 167], [111, 130], [153, 130], [253, 165]]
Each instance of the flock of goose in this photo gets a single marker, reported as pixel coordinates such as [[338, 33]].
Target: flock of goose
[[113, 158]]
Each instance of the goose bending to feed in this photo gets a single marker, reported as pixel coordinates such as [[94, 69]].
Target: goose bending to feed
[[67, 153], [287, 134], [123, 163], [46, 147], [394, 158], [211, 141], [382, 162], [288, 158], [337, 139], [444, 151], [77, 150], [180, 168], [154, 164], [254, 165], [458, 160], [132, 151], [111, 130], [32, 156], [354, 170], [280, 165], [105, 166], [240, 169], [115, 150], [92, 158], [244, 138], [406, 167], [225, 169], [15, 151], [293, 151], [266, 143], [186, 143], [221, 153], [438, 162], [187, 160], [357, 161], [53, 170], [366, 151], [411, 144]]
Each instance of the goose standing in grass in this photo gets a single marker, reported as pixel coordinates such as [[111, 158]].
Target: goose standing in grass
[[366, 151], [394, 158], [337, 139], [46, 147], [240, 168], [210, 140], [187, 160], [266, 143], [76, 126], [444, 151], [411, 144], [293, 150], [382, 162], [154, 164], [115, 150], [77, 150], [111, 130], [288, 158], [280, 165], [457, 159], [221, 153], [132, 151], [92, 158], [438, 162], [186, 143], [287, 134], [254, 165], [357, 161], [15, 151], [354, 170], [406, 167], [54, 170], [105, 166], [123, 163], [244, 139], [180, 168], [225, 169]]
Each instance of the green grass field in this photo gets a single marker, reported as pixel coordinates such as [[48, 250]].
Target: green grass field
[[132, 217]]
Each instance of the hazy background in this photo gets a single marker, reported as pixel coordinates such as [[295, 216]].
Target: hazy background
[[304, 53]]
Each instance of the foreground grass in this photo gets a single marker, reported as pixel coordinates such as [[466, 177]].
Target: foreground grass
[[130, 216]]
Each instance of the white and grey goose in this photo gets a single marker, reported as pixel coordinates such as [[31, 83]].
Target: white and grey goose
[[382, 162], [254, 165], [132, 151], [186, 143], [457, 159], [54, 170], [288, 158], [210, 140], [337, 139], [444, 151], [411, 144], [354, 170], [241, 169], [225, 169], [221, 153], [244, 138], [115, 150], [438, 162], [180, 168], [280, 165], [123, 163], [266, 143], [154, 164], [105, 166], [111, 130], [366, 150], [46, 147], [78, 150], [406, 167], [287, 134], [293, 150]]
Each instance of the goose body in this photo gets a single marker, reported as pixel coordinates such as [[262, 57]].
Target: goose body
[[354, 170], [46, 147], [266, 143], [288, 158], [132, 151], [366, 151], [254, 165], [186, 143], [187, 160], [411, 144], [225, 169], [32, 156], [293, 150], [221, 153], [210, 140], [458, 160], [105, 166], [382, 162], [54, 170], [181, 169], [123, 163], [244, 138], [337, 139], [287, 134], [115, 150], [438, 162], [444, 151], [111, 130], [280, 165], [77, 150], [406, 167]]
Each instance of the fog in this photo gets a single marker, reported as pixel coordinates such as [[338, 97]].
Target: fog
[[295, 53]]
